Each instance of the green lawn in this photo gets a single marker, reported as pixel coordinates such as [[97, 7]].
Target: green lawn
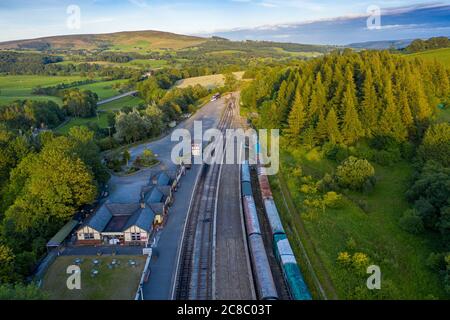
[[101, 120], [20, 87], [119, 283], [442, 55], [372, 222], [116, 105]]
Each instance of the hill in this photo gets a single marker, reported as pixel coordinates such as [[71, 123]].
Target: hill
[[381, 45], [121, 41], [441, 55]]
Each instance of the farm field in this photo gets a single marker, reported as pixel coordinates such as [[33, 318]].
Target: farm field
[[365, 223], [104, 90], [116, 105], [209, 82], [119, 283], [441, 55], [20, 87]]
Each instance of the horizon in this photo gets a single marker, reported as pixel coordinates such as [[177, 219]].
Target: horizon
[[307, 14]]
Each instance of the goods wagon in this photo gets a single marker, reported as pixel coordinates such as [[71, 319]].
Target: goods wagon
[[274, 218], [246, 189]]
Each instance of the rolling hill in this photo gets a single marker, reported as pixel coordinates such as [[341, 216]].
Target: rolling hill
[[441, 55], [121, 41]]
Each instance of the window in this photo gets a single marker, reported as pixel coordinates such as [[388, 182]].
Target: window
[[135, 237], [89, 236]]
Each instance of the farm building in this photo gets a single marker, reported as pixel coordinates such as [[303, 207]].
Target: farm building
[[118, 224]]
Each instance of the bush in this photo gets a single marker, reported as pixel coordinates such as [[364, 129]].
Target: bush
[[436, 262], [412, 222], [436, 144], [387, 157], [355, 174], [333, 200]]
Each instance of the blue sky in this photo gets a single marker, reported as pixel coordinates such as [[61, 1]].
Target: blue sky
[[20, 19]]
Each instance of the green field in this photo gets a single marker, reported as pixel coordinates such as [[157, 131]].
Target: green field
[[369, 222], [101, 121], [104, 89], [441, 55], [119, 283], [20, 87], [151, 64], [129, 101]]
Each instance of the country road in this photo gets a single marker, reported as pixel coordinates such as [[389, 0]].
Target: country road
[[120, 96]]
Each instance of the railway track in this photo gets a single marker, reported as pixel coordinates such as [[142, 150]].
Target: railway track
[[194, 278]]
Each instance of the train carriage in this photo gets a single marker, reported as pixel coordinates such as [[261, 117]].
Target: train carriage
[[245, 172], [264, 185], [262, 272], [251, 216], [246, 189], [291, 270], [274, 218]]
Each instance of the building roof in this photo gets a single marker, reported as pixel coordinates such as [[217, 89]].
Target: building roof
[[158, 208], [118, 217], [152, 194], [62, 234], [99, 220], [143, 219]]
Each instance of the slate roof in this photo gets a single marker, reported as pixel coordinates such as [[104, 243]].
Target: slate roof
[[152, 194], [143, 219], [99, 220]]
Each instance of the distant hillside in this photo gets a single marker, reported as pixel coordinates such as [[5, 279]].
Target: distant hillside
[[122, 41], [441, 55], [381, 45]]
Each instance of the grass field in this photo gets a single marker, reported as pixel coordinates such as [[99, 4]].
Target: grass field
[[208, 82], [441, 55], [119, 283], [20, 87], [129, 101], [370, 224], [104, 89], [101, 121]]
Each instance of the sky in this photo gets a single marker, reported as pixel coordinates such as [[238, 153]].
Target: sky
[[24, 19]]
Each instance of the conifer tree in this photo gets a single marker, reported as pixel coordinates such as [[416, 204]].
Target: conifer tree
[[369, 105], [296, 119], [390, 121], [334, 135], [352, 128]]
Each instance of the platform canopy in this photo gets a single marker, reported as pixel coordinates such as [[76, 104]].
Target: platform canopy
[[62, 234]]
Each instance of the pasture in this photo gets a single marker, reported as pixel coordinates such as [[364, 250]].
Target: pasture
[[209, 82], [20, 87]]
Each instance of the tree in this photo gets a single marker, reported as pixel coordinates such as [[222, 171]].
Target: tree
[[334, 135], [126, 156], [355, 173], [50, 185], [21, 292], [369, 105], [391, 124], [296, 119], [6, 264], [352, 128], [80, 103], [436, 144]]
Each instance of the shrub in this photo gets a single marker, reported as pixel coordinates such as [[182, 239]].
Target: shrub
[[333, 200], [436, 261], [354, 173], [360, 261], [344, 259], [387, 157], [412, 222]]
